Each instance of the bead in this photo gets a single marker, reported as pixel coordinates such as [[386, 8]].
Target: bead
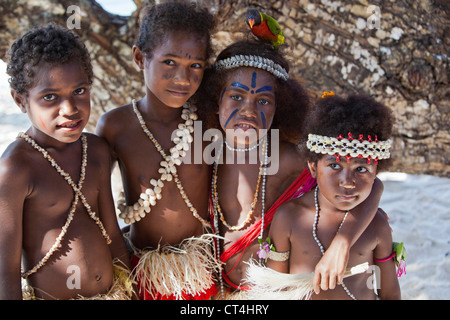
[[314, 232]]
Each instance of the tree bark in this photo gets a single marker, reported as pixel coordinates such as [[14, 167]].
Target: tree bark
[[395, 51]]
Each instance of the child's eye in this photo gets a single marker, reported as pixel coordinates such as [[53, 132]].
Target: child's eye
[[362, 169], [197, 66], [236, 97], [263, 102], [335, 166], [80, 91], [169, 62], [49, 97]]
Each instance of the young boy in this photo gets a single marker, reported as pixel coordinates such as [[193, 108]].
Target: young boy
[[346, 147], [56, 208], [165, 200]]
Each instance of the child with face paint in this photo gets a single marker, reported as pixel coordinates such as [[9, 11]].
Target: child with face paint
[[250, 89], [165, 201], [359, 128], [56, 208]]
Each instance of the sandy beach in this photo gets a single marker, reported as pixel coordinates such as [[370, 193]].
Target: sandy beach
[[418, 207]]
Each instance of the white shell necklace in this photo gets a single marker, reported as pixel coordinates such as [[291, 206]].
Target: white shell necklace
[[78, 195], [168, 170], [218, 215], [314, 232]]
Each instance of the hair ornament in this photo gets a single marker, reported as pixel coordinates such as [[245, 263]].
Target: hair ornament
[[327, 94], [350, 147], [254, 62]]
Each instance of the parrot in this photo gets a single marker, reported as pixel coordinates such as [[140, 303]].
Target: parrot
[[265, 27]]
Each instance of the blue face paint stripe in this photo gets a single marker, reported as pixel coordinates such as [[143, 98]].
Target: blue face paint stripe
[[263, 117], [229, 118], [265, 88], [254, 80], [221, 96], [240, 85]]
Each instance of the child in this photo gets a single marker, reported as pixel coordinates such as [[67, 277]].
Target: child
[[56, 206], [347, 145], [250, 88], [165, 200]]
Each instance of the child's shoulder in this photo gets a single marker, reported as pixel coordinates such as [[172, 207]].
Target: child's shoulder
[[94, 140], [17, 160], [97, 145], [380, 224], [116, 118], [291, 210]]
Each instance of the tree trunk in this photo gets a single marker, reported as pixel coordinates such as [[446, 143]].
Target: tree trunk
[[396, 51]]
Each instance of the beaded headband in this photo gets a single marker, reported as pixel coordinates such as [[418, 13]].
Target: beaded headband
[[350, 148], [254, 62]]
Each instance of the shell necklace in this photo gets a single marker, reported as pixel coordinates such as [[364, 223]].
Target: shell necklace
[[78, 195], [314, 232], [215, 194], [218, 211], [168, 170]]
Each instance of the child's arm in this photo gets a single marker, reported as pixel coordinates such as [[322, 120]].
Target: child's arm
[[105, 131], [389, 286], [331, 267], [106, 209], [13, 190], [279, 233]]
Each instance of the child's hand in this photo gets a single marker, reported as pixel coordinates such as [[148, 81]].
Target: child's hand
[[330, 269]]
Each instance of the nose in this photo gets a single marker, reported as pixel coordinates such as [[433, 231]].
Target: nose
[[182, 76], [347, 180], [68, 108], [249, 109]]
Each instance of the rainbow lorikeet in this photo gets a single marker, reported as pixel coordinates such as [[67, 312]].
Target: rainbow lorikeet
[[265, 27]]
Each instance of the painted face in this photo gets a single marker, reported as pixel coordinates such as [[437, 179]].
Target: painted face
[[247, 102], [59, 104], [343, 185], [175, 70]]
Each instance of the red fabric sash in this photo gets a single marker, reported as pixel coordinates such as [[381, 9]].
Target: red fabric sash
[[305, 181]]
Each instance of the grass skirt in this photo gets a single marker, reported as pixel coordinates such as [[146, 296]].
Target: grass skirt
[[268, 284], [185, 270]]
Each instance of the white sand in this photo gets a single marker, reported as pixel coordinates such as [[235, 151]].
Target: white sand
[[418, 207]]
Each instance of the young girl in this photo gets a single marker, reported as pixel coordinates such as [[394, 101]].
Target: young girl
[[56, 207], [347, 145], [250, 88], [165, 199]]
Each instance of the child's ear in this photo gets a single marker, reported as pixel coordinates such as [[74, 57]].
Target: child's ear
[[20, 100], [138, 57], [312, 165]]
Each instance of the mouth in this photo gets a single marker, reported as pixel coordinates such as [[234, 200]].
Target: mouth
[[347, 197], [70, 125], [245, 126], [179, 93]]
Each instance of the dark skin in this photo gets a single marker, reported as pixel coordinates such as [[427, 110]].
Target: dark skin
[[35, 199], [236, 183], [172, 74], [291, 229]]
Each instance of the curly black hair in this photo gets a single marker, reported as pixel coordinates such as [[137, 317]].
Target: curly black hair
[[51, 44], [156, 21], [358, 114], [292, 99]]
